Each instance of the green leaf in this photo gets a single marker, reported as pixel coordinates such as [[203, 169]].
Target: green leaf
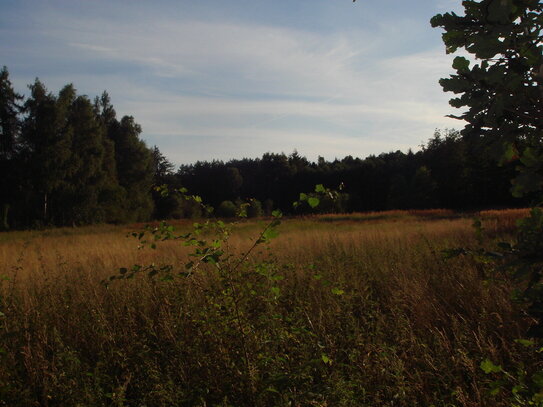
[[500, 11], [337, 291], [525, 342], [489, 367], [510, 153], [537, 378], [313, 202], [270, 233], [213, 258], [326, 359], [526, 181], [517, 389], [275, 290], [495, 388], [460, 64], [452, 253], [320, 188], [276, 222], [303, 197], [277, 213], [530, 158]]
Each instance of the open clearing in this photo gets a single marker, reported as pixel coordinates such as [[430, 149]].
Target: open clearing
[[338, 310]]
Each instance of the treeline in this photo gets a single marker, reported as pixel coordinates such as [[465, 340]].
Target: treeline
[[450, 171], [67, 160]]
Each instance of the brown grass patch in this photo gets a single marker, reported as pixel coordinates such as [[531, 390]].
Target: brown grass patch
[[368, 313]]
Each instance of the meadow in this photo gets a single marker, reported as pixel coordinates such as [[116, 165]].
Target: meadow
[[337, 310]]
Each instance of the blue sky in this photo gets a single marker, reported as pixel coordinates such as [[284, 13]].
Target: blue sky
[[215, 79]]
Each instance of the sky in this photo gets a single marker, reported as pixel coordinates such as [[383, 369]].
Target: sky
[[216, 79]]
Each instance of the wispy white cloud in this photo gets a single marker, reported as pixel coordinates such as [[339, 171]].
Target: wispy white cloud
[[236, 88]]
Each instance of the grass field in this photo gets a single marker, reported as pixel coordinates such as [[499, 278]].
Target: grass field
[[338, 310]]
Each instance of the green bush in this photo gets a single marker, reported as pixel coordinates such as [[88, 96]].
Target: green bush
[[254, 210], [227, 209]]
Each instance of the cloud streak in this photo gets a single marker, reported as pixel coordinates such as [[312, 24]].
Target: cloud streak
[[240, 88]]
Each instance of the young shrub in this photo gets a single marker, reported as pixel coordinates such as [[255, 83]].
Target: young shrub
[[227, 209], [254, 210]]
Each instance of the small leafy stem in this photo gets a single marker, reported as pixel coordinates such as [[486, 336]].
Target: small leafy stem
[[520, 262], [313, 199], [238, 277]]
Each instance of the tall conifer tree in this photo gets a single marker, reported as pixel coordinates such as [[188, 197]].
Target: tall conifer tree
[[10, 127], [134, 167], [46, 149]]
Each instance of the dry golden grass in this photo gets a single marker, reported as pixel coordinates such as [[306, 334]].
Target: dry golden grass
[[369, 313], [98, 251]]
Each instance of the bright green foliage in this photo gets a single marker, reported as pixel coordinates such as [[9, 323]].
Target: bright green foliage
[[489, 367], [248, 292], [246, 304], [503, 90], [323, 199], [523, 386]]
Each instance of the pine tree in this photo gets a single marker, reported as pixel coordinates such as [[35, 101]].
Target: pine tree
[[10, 128], [134, 168], [46, 148], [113, 196], [88, 178]]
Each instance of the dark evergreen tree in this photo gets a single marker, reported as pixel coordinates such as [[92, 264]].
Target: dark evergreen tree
[[10, 129], [88, 177], [446, 155], [398, 193], [135, 166], [113, 196], [423, 190], [46, 150], [168, 205], [69, 161]]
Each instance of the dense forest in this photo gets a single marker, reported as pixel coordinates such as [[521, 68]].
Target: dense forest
[[68, 160]]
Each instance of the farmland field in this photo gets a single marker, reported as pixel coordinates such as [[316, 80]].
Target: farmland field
[[338, 310]]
